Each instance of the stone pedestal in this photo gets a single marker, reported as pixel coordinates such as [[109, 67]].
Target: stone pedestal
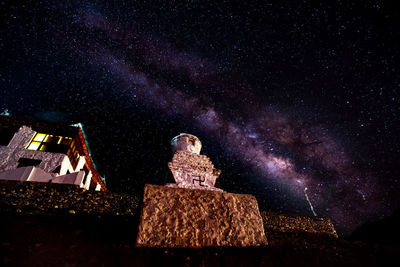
[[188, 218]]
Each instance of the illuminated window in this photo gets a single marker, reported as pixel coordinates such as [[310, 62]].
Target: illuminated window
[[39, 137], [50, 143], [34, 146]]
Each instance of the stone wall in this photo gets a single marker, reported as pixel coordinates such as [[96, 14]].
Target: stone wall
[[284, 223], [45, 198], [178, 217], [16, 149]]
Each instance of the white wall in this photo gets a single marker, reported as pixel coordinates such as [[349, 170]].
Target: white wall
[[20, 174], [88, 180], [72, 178]]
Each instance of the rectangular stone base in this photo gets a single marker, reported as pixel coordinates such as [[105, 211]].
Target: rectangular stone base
[[177, 217]]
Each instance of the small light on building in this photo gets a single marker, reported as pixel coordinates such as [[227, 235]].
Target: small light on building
[[34, 146], [39, 137]]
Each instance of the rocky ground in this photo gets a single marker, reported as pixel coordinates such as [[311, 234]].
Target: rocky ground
[[276, 222], [49, 198], [94, 228]]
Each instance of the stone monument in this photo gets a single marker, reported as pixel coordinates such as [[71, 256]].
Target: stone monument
[[193, 213], [189, 168]]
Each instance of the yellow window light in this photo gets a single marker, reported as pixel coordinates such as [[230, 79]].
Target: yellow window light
[[34, 146], [39, 137], [48, 138]]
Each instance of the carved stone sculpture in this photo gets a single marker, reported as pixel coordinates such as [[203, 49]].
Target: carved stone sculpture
[[189, 168]]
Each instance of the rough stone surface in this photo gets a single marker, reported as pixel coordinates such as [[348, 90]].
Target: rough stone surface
[[16, 149], [178, 217], [45, 198], [193, 171], [31, 236], [275, 223]]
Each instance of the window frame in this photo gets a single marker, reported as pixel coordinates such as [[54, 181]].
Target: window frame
[[40, 141]]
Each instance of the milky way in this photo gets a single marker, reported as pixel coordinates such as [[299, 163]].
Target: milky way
[[309, 159], [335, 186]]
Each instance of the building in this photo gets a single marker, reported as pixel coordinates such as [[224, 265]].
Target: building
[[40, 151]]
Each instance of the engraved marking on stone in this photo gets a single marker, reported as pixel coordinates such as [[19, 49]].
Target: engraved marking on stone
[[189, 168], [201, 181]]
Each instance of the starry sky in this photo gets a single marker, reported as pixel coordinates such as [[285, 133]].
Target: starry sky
[[293, 100]]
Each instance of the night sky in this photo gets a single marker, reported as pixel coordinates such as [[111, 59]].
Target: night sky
[[287, 97]]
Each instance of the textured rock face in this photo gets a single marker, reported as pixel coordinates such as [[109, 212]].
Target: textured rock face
[[177, 217], [16, 149], [189, 168], [194, 171], [275, 222]]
